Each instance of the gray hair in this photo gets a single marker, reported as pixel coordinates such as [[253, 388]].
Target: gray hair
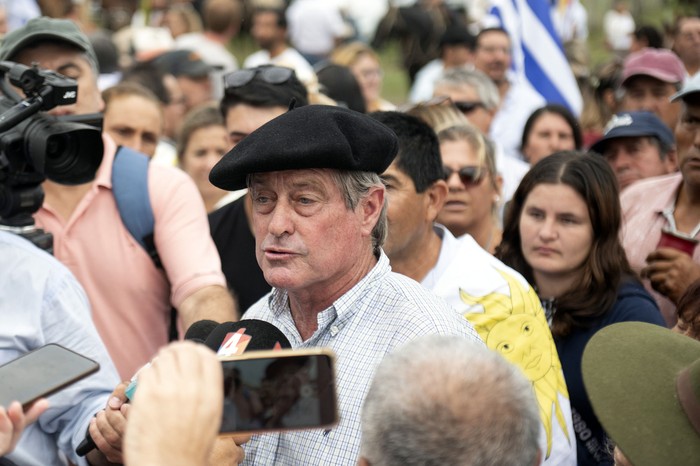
[[482, 84], [448, 400], [354, 185]]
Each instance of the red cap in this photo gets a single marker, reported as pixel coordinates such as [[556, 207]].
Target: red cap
[[661, 64]]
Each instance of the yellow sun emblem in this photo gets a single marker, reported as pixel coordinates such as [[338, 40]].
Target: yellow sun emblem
[[515, 326]]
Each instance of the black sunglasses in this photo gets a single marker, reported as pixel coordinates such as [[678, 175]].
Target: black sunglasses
[[269, 74], [466, 106], [467, 175]]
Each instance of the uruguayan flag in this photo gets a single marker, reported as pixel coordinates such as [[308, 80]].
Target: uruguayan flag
[[538, 56]]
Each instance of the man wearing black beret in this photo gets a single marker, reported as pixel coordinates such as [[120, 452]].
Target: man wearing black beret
[[319, 219]]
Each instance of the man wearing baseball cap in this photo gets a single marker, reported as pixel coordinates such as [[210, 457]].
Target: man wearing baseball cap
[[670, 203], [649, 78], [637, 145]]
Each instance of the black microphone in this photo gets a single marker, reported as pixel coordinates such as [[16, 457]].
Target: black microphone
[[198, 332], [263, 335]]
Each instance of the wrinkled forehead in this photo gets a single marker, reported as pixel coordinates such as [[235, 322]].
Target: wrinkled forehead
[[318, 179]]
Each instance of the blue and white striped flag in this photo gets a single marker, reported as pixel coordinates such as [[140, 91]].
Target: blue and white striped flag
[[538, 55]]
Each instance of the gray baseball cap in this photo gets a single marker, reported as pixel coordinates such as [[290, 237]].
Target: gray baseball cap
[[691, 86], [45, 28]]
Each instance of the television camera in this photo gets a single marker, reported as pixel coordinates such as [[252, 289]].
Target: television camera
[[36, 146]]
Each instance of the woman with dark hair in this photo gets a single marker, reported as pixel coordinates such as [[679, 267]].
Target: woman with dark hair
[[562, 233], [338, 83], [202, 142], [550, 129]]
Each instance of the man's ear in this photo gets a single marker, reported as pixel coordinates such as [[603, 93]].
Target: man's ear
[[436, 198], [371, 206], [671, 160], [363, 461]]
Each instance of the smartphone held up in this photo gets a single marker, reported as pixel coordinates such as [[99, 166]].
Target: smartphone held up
[[270, 391]]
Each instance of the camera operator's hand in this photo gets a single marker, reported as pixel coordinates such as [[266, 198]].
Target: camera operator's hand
[[176, 411]]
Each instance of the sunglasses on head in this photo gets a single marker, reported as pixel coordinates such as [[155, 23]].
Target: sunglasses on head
[[268, 74], [467, 106], [467, 175]]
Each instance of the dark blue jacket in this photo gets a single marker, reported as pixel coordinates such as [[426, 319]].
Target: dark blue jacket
[[633, 304]]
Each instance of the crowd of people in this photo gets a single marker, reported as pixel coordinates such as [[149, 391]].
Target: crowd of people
[[494, 275]]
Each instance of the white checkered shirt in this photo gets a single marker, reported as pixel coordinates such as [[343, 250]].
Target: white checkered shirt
[[382, 311]]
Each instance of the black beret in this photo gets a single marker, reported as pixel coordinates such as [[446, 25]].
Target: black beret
[[314, 136]]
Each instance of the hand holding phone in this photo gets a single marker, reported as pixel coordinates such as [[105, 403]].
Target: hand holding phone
[[13, 420]]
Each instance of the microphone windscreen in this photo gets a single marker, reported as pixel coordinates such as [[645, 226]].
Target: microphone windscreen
[[200, 330], [263, 335]]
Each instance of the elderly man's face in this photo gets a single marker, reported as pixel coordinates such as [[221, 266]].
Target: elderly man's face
[[635, 158], [688, 141], [306, 239], [652, 95], [71, 63]]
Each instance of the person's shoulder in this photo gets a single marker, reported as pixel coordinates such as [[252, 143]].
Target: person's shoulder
[[226, 212], [412, 301], [189, 39], [479, 258], [643, 186], [257, 58], [20, 251], [164, 175], [409, 294], [259, 310], [649, 187], [634, 303]]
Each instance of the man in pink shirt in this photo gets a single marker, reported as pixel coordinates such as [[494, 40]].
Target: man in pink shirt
[[670, 202], [131, 298]]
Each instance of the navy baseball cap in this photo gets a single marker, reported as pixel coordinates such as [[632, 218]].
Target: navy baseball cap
[[634, 124]]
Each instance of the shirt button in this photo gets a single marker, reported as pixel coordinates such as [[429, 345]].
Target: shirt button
[[334, 330]]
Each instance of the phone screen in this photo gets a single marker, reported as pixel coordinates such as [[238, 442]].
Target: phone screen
[[42, 372], [279, 393]]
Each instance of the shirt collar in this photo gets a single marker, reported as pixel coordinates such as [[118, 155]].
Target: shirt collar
[[660, 204], [342, 310], [104, 173]]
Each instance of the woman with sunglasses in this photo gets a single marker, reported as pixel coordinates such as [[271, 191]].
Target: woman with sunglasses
[[562, 234], [474, 186]]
